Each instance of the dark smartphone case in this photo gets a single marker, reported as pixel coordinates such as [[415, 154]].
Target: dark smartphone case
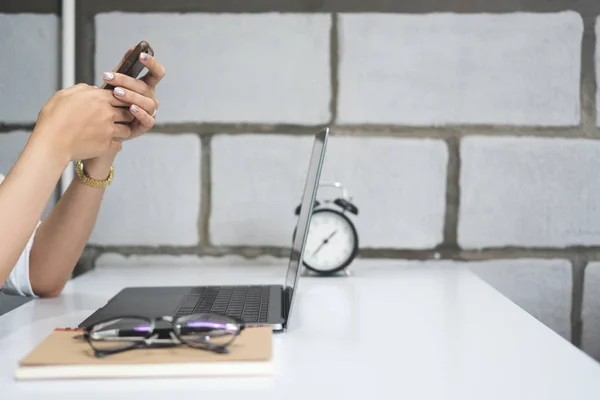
[[132, 66]]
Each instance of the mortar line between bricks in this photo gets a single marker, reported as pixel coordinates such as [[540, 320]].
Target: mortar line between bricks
[[31, 7], [205, 191], [452, 205], [366, 130], [587, 76], [578, 265], [186, 6], [91, 60], [334, 67], [592, 253], [442, 132], [7, 128]]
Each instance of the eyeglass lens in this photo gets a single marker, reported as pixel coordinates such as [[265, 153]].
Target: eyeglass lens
[[119, 333], [201, 329]]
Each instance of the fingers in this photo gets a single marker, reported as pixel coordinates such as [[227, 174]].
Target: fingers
[[127, 82], [122, 115], [129, 91], [141, 115], [121, 131], [131, 97], [156, 71]]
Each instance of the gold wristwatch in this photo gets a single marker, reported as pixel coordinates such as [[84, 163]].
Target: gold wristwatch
[[95, 183]]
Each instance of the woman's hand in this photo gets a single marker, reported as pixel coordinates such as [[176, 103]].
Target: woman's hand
[[81, 122], [137, 98], [138, 94]]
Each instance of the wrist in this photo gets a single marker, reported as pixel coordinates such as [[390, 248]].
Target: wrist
[[43, 148], [99, 167]]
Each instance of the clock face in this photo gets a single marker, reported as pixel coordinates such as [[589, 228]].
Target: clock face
[[331, 241]]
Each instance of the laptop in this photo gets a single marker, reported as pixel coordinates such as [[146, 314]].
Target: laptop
[[257, 305]]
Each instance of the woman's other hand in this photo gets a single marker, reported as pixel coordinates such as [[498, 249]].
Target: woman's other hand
[[138, 94], [82, 122]]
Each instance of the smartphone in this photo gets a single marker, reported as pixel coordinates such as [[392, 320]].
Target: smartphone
[[131, 66]]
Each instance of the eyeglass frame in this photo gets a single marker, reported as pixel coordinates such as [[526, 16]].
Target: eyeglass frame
[[152, 340]]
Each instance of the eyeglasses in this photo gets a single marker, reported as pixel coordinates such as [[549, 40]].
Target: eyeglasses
[[212, 332]]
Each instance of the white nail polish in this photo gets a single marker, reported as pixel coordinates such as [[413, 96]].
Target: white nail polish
[[143, 56], [119, 91], [108, 76], [135, 108]]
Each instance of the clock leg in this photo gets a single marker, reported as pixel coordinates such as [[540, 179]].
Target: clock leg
[[348, 272]]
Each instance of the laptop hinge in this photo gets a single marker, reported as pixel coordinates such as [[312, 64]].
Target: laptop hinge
[[285, 303]]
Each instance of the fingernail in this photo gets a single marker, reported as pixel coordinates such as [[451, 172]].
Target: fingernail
[[96, 86], [119, 91], [143, 56], [135, 108], [108, 76]]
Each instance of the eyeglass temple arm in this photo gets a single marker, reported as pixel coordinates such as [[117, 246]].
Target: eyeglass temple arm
[[134, 346], [103, 353]]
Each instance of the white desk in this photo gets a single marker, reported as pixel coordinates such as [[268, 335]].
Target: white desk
[[393, 330]]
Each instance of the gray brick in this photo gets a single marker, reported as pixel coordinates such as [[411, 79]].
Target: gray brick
[[590, 313], [543, 288], [527, 191], [190, 269], [434, 69], [398, 186], [254, 68], [28, 65], [111, 260], [155, 195], [11, 145]]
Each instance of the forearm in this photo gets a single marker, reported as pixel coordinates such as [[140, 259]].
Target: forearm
[[23, 198], [63, 234]]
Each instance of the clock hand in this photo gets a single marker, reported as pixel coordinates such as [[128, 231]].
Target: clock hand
[[330, 236], [324, 242]]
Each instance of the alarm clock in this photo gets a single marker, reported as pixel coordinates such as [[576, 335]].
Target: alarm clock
[[332, 239]]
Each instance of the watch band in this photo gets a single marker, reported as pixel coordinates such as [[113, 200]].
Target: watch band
[[95, 183]]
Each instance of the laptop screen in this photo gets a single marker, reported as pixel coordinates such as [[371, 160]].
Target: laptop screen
[[306, 208]]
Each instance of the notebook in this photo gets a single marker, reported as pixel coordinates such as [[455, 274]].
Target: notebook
[[60, 356]]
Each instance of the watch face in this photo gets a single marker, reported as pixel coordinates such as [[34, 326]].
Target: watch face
[[331, 241]]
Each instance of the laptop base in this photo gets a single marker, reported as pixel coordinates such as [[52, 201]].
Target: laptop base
[[257, 305]]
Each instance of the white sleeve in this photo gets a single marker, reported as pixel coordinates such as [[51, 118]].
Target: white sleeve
[[18, 281]]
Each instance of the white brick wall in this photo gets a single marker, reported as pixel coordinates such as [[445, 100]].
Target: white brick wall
[[540, 287], [260, 68], [29, 65], [11, 145], [590, 314], [529, 192], [257, 182], [155, 195], [271, 68], [431, 69]]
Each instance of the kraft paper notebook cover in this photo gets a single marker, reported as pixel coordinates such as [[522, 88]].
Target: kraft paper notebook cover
[[60, 356]]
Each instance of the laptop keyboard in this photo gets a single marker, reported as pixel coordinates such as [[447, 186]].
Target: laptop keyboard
[[249, 303]]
